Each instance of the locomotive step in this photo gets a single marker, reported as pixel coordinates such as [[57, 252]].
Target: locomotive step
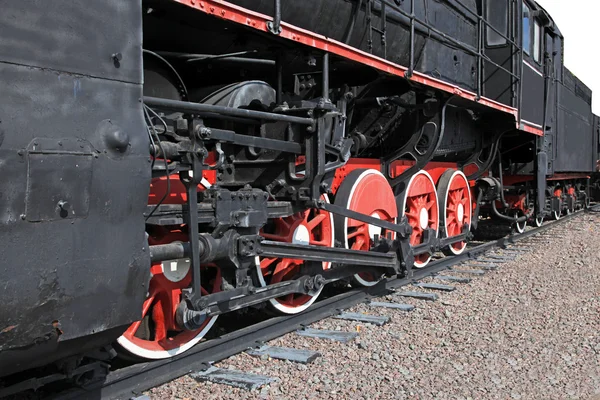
[[285, 353]]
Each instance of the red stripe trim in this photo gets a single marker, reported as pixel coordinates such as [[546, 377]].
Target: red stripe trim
[[531, 129], [243, 16], [560, 177]]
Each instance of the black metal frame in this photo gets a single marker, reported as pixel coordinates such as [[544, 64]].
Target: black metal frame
[[395, 257]]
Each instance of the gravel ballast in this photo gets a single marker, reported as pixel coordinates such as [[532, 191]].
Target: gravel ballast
[[529, 330]]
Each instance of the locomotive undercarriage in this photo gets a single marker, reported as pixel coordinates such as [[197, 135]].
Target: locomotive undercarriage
[[279, 178]]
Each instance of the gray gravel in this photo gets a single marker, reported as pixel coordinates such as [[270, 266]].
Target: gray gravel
[[527, 331]]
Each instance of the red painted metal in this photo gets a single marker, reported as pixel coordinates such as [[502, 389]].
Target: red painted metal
[[458, 195], [373, 196], [318, 226], [163, 298], [510, 180], [560, 177], [515, 202], [254, 20], [531, 129], [421, 196], [435, 169]]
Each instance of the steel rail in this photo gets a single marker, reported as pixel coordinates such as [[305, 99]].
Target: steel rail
[[131, 381]]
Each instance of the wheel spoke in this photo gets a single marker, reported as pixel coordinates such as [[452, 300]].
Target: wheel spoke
[[284, 268], [284, 226], [412, 215], [429, 205], [133, 328], [175, 297], [274, 237], [158, 316], [148, 303], [313, 223], [358, 244], [357, 232], [318, 242], [265, 263]]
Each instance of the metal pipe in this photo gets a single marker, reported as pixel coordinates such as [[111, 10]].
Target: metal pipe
[[326, 76], [279, 66], [507, 218], [171, 251], [275, 26], [411, 66], [479, 59], [277, 19], [197, 108], [238, 60]]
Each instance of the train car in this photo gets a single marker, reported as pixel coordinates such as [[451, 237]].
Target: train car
[[164, 162]]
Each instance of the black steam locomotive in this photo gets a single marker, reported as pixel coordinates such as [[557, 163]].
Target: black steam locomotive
[[167, 161]]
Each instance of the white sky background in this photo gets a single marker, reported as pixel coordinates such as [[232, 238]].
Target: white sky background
[[578, 21]]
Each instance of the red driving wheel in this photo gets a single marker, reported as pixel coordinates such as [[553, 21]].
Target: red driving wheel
[[454, 194], [312, 227], [156, 335], [368, 192], [420, 205]]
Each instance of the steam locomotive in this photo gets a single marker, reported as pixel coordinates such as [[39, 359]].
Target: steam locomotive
[[164, 162]]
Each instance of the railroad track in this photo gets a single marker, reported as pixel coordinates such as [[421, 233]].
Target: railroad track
[[131, 381]]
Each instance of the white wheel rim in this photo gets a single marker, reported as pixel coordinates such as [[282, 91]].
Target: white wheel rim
[[158, 355]]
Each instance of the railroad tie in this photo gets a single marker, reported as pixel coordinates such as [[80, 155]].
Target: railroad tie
[[491, 259], [450, 278], [285, 353], [477, 272], [520, 249], [232, 377], [435, 286], [419, 295], [485, 261], [486, 267], [337, 336], [397, 306], [371, 319]]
